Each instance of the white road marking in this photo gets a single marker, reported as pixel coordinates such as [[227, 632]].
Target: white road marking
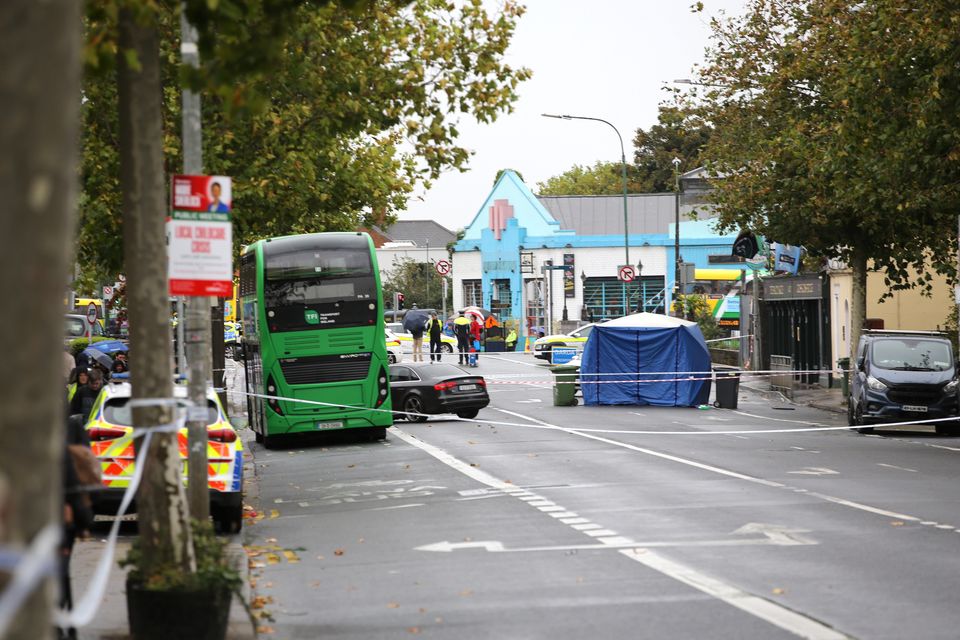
[[398, 506], [725, 472], [532, 401], [764, 609], [563, 516], [815, 471], [771, 612], [806, 422], [940, 446], [610, 540], [893, 466]]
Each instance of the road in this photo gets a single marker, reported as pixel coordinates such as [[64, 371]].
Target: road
[[535, 521]]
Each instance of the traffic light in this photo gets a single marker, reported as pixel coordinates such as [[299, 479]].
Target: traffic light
[[399, 302]]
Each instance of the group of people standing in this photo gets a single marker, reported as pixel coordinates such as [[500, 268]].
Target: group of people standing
[[468, 333]]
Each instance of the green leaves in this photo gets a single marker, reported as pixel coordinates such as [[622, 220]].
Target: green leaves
[[322, 112], [834, 124]]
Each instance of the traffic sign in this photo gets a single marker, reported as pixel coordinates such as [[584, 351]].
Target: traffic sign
[[625, 273], [443, 267], [92, 313], [107, 292]]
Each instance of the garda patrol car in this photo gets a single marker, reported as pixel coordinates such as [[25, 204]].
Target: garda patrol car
[[447, 344], [543, 347], [394, 352], [111, 438]]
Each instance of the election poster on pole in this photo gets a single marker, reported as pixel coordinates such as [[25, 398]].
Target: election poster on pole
[[200, 236]]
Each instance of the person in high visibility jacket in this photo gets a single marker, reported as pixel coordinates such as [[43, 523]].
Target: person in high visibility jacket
[[78, 378]]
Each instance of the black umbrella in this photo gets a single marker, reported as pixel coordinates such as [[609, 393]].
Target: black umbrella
[[99, 357], [415, 320]]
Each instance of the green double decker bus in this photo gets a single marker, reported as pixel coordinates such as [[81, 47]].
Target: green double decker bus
[[311, 307]]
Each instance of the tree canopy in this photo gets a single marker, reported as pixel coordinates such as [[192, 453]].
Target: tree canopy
[[835, 127], [335, 112], [602, 179]]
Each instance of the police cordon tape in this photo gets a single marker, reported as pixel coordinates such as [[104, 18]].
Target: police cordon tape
[[680, 376], [816, 426]]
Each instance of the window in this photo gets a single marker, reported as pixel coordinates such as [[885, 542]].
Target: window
[[604, 297], [472, 293], [500, 299], [399, 374]]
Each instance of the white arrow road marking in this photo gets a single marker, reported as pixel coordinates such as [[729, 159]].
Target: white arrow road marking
[[815, 471], [528, 401], [773, 534]]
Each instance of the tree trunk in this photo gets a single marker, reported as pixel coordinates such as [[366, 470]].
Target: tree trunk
[[858, 314], [161, 505], [39, 127]]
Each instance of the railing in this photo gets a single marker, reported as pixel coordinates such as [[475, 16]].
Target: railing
[[782, 380]]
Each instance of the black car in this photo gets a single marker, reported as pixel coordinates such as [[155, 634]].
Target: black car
[[901, 376], [436, 388]]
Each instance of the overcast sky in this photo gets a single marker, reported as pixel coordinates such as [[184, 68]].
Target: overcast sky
[[604, 58]]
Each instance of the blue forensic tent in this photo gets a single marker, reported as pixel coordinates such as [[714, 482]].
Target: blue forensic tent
[[646, 351]]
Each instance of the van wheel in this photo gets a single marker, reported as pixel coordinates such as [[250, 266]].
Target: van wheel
[[850, 419], [228, 519], [858, 420], [444, 347]]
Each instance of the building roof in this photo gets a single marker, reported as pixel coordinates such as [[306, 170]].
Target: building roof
[[603, 215], [419, 232]]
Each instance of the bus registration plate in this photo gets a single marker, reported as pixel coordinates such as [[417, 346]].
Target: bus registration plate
[[329, 425]]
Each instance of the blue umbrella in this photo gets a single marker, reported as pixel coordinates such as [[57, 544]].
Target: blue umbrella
[[110, 347]]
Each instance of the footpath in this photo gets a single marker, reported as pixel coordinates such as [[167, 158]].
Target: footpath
[[819, 398], [111, 623]]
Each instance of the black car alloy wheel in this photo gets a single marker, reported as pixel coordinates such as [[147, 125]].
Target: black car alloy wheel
[[413, 406]]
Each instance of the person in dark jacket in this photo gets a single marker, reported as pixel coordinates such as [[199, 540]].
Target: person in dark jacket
[[435, 329], [461, 329], [86, 396], [77, 515]]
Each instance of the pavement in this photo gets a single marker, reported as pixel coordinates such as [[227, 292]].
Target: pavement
[[110, 622], [817, 397]]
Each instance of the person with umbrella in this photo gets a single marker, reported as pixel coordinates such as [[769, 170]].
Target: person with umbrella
[[476, 333], [98, 360], [415, 321], [461, 329]]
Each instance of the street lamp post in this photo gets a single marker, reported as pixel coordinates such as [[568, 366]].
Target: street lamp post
[[676, 222], [623, 171], [643, 288]]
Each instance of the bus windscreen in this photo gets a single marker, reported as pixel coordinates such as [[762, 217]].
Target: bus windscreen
[[319, 289]]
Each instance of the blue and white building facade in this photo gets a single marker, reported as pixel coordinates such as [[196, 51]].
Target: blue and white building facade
[[503, 261]]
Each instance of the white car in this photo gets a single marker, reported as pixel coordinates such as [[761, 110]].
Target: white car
[[543, 347], [447, 344], [394, 352]]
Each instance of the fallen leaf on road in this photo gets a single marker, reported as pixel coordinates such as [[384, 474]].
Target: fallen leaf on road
[[531, 455], [351, 466], [438, 620], [360, 540], [471, 442], [466, 592], [414, 630], [271, 540], [273, 558], [315, 584], [474, 464], [257, 565], [777, 591], [406, 466], [338, 552], [264, 629], [422, 610], [268, 585], [393, 605], [896, 523], [274, 514], [291, 557], [319, 557], [260, 602]]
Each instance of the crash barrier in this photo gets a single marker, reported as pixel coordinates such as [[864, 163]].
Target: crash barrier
[[784, 381], [815, 427]]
